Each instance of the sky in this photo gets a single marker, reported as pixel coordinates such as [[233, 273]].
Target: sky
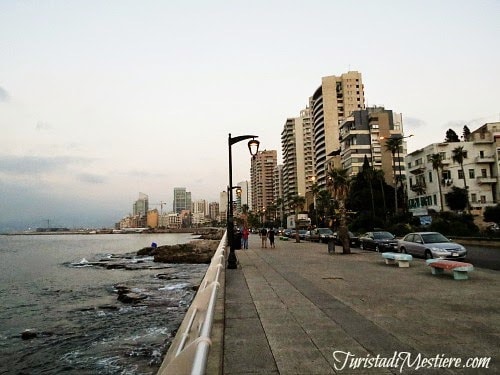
[[101, 100]]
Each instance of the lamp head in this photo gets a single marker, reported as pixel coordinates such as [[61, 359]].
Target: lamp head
[[253, 146]]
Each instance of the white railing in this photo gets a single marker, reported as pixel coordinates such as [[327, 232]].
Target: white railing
[[188, 353]]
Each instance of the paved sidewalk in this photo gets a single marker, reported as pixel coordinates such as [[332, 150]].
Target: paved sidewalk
[[288, 309]]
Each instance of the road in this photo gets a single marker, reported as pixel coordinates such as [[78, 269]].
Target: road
[[484, 257]]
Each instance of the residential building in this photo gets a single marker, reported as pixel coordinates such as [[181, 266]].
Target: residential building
[[213, 210], [262, 180], [245, 195], [223, 201], [364, 134], [152, 218], [331, 103], [182, 200], [298, 155], [480, 172]]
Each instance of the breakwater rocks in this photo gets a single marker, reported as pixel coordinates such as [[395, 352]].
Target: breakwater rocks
[[197, 252]]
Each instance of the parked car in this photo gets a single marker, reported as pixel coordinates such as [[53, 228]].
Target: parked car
[[302, 234], [378, 241], [431, 245], [321, 235], [353, 239]]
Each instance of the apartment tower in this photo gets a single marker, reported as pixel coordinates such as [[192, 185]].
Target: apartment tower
[[262, 179], [330, 104], [182, 200], [365, 133], [298, 155]]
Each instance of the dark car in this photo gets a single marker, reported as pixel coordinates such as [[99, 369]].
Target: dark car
[[378, 241], [353, 239], [431, 245], [320, 235]]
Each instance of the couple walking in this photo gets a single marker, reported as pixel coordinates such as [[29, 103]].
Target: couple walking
[[264, 235]]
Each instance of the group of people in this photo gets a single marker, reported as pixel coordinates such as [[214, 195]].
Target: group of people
[[264, 235], [267, 234]]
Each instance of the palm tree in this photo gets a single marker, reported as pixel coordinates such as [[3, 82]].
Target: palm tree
[[244, 210], [340, 183], [458, 156], [393, 145], [296, 204], [369, 175], [437, 164], [315, 190], [279, 203]]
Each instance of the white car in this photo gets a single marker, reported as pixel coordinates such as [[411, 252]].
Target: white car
[[431, 245]]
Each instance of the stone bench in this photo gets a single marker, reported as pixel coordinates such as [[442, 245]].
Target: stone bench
[[403, 260], [460, 269]]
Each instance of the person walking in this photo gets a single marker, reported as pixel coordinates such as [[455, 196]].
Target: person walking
[[270, 234], [263, 237], [244, 238]]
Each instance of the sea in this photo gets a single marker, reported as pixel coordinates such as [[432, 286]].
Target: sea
[[59, 306]]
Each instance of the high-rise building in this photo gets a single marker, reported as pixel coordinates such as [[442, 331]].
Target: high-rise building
[[365, 133], [298, 155], [213, 210], [245, 197], [182, 200], [262, 179], [141, 205], [330, 104], [223, 200]]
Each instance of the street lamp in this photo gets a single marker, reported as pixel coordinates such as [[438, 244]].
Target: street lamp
[[253, 147]]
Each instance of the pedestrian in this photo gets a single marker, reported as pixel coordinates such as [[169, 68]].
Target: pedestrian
[[263, 237], [244, 238], [270, 234]]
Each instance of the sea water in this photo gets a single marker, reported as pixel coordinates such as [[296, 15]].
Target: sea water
[[49, 285]]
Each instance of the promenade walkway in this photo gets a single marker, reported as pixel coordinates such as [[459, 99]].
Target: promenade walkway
[[288, 310]]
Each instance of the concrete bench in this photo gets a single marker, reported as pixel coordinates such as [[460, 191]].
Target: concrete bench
[[403, 260], [460, 269]]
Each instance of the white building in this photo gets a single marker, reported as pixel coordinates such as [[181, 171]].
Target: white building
[[480, 167]]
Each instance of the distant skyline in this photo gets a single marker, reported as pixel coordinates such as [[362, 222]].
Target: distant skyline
[[102, 100]]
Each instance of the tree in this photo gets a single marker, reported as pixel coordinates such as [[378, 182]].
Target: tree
[[340, 184], [393, 145], [451, 136], [296, 203], [466, 133], [458, 156], [492, 213], [315, 190], [457, 199], [437, 164]]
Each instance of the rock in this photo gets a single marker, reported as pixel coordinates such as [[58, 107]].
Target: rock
[[28, 334], [131, 297], [198, 251]]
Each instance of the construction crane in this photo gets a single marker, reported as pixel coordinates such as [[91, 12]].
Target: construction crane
[[161, 204]]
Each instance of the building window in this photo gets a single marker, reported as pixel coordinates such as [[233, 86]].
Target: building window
[[430, 176], [473, 198], [484, 173], [471, 173], [460, 174], [483, 198], [481, 154], [446, 175]]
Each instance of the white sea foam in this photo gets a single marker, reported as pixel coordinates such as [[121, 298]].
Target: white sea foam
[[174, 286]]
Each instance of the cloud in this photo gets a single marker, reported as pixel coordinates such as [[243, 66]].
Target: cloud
[[29, 165], [91, 178], [4, 95], [40, 125], [414, 122]]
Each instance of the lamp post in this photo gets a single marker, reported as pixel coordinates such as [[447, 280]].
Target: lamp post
[[253, 146]]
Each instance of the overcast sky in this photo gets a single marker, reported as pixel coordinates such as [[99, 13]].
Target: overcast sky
[[101, 100]]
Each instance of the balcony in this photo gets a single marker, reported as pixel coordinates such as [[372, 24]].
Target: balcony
[[419, 188], [417, 169], [485, 159], [486, 180]]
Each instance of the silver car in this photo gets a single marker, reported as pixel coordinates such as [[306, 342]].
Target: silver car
[[431, 245]]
